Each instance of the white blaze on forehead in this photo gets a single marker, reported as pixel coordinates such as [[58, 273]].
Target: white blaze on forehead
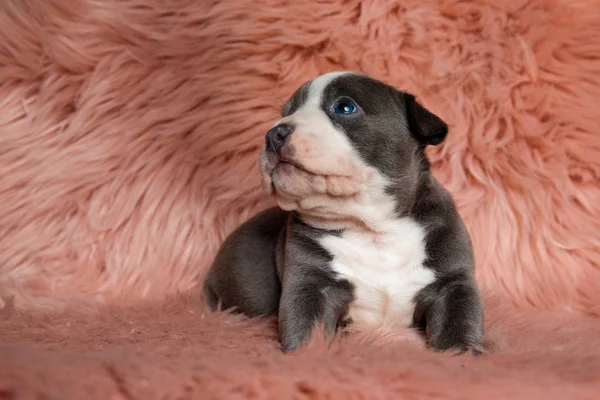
[[318, 85], [316, 88]]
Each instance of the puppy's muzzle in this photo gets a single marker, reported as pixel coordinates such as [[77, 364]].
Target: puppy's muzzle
[[277, 136]]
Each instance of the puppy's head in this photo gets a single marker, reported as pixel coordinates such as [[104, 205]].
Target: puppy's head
[[348, 147]]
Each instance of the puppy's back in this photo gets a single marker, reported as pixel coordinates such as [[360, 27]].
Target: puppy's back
[[244, 273]]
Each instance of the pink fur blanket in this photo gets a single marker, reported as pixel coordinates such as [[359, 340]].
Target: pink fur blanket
[[129, 137]]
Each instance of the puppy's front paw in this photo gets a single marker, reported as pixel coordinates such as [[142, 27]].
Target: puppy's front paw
[[459, 349], [466, 337], [451, 315]]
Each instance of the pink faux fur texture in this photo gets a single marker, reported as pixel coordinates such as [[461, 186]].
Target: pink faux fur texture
[[179, 351], [129, 133], [129, 136]]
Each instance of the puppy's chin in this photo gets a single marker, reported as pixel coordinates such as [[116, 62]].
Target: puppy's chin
[[297, 190]]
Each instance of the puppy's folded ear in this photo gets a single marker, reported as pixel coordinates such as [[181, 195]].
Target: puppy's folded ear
[[425, 126]]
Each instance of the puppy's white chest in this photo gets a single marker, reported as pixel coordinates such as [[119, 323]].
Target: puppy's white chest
[[386, 270]]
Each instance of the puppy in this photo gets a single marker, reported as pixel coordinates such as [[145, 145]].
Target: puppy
[[363, 234]]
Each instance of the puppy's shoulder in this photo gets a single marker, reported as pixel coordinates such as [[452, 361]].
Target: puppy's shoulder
[[267, 222], [434, 204], [448, 244], [256, 235]]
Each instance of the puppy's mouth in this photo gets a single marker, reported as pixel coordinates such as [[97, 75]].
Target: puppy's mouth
[[284, 161], [292, 181], [275, 161]]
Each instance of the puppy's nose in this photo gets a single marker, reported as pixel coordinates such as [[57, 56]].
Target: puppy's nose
[[276, 136]]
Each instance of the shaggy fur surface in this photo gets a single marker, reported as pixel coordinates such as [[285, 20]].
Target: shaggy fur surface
[[179, 351], [129, 137]]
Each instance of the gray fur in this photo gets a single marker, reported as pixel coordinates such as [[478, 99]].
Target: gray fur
[[273, 264]]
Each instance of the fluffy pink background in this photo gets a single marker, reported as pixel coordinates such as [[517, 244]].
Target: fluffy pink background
[[129, 136]]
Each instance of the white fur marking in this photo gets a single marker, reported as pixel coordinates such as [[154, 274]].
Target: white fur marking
[[386, 269], [317, 87]]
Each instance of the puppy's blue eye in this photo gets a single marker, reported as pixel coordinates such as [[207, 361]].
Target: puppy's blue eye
[[344, 106]]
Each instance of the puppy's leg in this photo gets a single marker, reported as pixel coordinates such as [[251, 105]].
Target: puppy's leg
[[308, 298], [450, 313]]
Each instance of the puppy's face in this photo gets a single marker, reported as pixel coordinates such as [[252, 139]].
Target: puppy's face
[[344, 144]]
